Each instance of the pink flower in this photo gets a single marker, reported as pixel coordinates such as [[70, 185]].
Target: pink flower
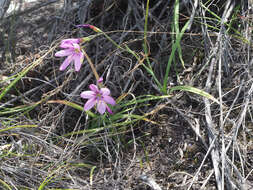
[[101, 97], [73, 51], [100, 80], [68, 43]]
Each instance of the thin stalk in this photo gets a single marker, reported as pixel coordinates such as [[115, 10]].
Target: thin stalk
[[145, 47], [91, 65], [127, 49], [174, 48]]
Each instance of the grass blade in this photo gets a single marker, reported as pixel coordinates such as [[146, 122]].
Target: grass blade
[[17, 126], [195, 91], [71, 104]]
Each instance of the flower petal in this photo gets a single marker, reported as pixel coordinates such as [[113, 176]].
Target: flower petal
[[66, 63], [68, 43], [78, 61], [105, 91], [101, 106], [63, 53], [88, 94], [81, 55], [100, 80], [67, 46], [94, 88], [71, 40], [109, 100], [109, 109], [89, 104]]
